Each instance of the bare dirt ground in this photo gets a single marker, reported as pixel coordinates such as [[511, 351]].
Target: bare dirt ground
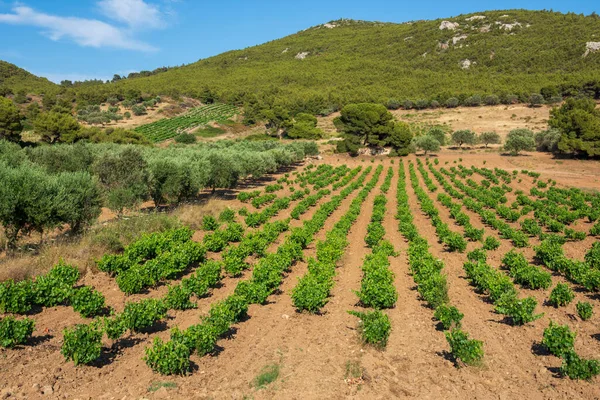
[[501, 119], [315, 352]]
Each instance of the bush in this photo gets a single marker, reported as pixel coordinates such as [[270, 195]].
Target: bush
[[186, 138], [209, 223], [88, 302], [82, 344], [143, 314], [452, 102], [170, 358], [227, 215], [374, 327], [584, 310], [536, 100], [455, 242], [575, 367], [14, 332], [561, 295], [469, 351], [547, 140], [449, 316], [558, 339]]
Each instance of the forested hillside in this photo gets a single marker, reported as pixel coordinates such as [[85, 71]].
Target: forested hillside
[[512, 52], [14, 79]]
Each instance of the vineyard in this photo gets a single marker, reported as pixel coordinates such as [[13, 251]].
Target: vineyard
[[418, 277], [170, 127]]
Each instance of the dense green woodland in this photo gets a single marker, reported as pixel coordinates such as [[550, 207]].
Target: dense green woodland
[[375, 62]]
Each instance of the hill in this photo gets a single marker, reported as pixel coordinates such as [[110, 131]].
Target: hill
[[17, 79], [494, 52]]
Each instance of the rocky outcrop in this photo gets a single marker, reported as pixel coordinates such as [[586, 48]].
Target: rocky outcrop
[[591, 47], [476, 17], [451, 26], [302, 55]]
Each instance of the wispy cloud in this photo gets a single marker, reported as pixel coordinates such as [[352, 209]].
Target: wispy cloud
[[93, 32], [135, 13]]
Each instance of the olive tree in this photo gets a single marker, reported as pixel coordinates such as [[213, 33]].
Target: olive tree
[[78, 199], [464, 136], [124, 177], [426, 143], [519, 140], [489, 138], [10, 121], [439, 134]]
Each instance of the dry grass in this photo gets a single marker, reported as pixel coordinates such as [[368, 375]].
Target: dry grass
[[83, 251]]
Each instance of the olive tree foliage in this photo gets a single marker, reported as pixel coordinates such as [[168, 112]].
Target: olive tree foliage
[[519, 140], [370, 123], [489, 138], [426, 143], [124, 176], [55, 127], [579, 122], [548, 140], [464, 136], [170, 180], [439, 134], [78, 199], [33, 200], [10, 121]]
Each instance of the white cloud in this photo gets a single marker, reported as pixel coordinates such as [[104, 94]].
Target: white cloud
[[85, 32], [135, 13]]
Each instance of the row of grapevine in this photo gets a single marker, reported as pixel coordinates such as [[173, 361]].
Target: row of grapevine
[[172, 357], [431, 282], [377, 288], [313, 289]]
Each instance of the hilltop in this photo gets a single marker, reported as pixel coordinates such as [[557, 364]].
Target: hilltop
[[493, 52], [17, 79], [515, 52]]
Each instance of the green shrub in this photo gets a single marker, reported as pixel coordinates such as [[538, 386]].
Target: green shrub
[[575, 367], [449, 316], [455, 242], [561, 295], [14, 332], [374, 327], [82, 344], [209, 223], [178, 298], [491, 243], [310, 294], [186, 138], [170, 358], [143, 314], [88, 302], [469, 351], [16, 297], [227, 215], [558, 339], [584, 310]]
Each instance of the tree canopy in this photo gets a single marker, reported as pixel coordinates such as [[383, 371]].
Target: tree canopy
[[579, 122], [10, 121]]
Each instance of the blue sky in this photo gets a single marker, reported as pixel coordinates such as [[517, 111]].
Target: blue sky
[[84, 39]]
